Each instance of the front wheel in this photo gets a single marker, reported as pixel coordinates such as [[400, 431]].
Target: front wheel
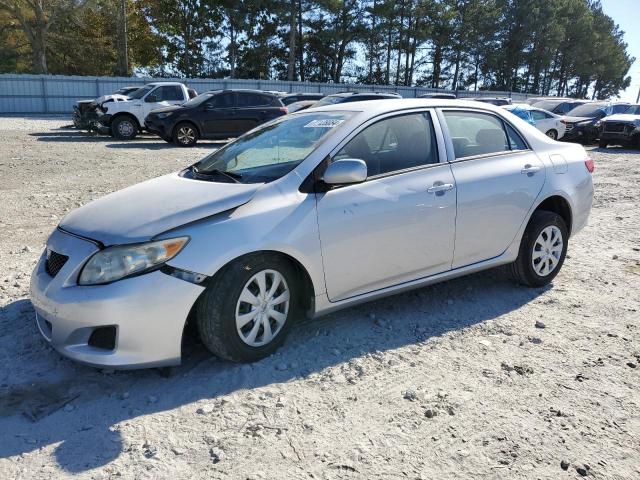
[[247, 310], [542, 249], [185, 135], [552, 134], [124, 128], [603, 143]]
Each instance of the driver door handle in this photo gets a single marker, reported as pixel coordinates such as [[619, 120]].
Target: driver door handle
[[529, 169], [440, 188]]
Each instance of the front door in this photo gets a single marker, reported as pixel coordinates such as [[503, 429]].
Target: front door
[[498, 179], [397, 226]]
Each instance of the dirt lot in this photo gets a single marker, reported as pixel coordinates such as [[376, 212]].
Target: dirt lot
[[473, 378]]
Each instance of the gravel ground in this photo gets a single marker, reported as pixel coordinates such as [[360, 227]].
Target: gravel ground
[[472, 378]]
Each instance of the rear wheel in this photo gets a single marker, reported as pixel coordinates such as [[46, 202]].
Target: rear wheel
[[603, 143], [124, 128], [542, 249], [552, 134], [185, 134], [246, 312]]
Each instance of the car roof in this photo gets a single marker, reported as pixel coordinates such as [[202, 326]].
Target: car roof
[[375, 107], [165, 83]]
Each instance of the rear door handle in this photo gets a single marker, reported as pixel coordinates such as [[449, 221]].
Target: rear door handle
[[440, 188], [529, 169]]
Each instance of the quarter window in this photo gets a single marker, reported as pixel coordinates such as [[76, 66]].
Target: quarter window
[[394, 144], [476, 133]]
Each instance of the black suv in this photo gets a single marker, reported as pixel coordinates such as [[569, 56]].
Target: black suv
[[214, 115], [353, 97]]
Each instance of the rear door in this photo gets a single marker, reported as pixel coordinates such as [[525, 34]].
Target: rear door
[[218, 116], [252, 109], [497, 176]]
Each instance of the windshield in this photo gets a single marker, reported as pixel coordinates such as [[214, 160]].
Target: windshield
[[272, 150], [633, 110], [195, 101], [586, 110], [330, 100], [141, 92]]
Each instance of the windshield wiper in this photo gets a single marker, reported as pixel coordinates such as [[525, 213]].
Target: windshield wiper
[[235, 177]]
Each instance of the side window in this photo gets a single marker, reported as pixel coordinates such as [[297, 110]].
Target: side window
[[394, 144], [253, 100], [224, 100], [168, 93], [620, 108], [474, 133]]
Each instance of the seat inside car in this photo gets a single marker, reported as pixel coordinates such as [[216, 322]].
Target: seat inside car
[[490, 140]]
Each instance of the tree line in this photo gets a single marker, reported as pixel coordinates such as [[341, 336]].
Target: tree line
[[560, 47]]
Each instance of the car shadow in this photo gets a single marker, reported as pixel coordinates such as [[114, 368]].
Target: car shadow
[[84, 406], [616, 150], [162, 145]]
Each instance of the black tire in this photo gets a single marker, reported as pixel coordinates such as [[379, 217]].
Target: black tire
[[603, 143], [185, 134], [124, 127], [552, 134], [522, 269], [216, 308]]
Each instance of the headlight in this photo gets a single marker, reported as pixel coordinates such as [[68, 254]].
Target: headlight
[[164, 115], [597, 124], [637, 122], [115, 263]]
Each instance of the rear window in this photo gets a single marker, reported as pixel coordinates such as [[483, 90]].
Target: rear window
[[253, 100], [476, 133]]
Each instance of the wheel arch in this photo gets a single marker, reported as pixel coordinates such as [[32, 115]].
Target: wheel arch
[[190, 122], [559, 205], [126, 114]]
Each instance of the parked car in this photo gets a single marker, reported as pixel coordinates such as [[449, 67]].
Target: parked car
[[582, 121], [214, 115], [301, 105], [493, 101], [312, 212], [85, 112], [125, 119], [548, 123], [346, 97], [290, 98], [621, 128], [521, 112], [559, 106], [450, 96]]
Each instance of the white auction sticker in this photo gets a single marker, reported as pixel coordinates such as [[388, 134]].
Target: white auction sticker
[[326, 123]]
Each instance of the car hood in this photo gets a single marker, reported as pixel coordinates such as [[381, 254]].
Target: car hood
[[116, 97], [567, 118], [171, 108], [621, 117], [142, 211]]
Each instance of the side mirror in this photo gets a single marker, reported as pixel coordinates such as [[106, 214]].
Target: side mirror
[[345, 172], [151, 99]]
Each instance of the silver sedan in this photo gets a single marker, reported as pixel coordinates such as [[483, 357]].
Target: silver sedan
[[313, 212]]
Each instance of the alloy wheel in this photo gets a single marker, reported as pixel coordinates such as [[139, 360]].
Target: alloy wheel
[[186, 135], [262, 308], [547, 250], [125, 128]]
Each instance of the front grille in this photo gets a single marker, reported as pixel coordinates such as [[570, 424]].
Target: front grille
[[54, 263], [614, 127]]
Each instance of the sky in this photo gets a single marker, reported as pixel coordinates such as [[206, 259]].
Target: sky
[[626, 13]]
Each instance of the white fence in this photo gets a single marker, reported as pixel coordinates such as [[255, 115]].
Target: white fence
[[57, 93]]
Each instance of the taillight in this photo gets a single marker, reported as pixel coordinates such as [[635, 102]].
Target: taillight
[[284, 110], [589, 164]]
